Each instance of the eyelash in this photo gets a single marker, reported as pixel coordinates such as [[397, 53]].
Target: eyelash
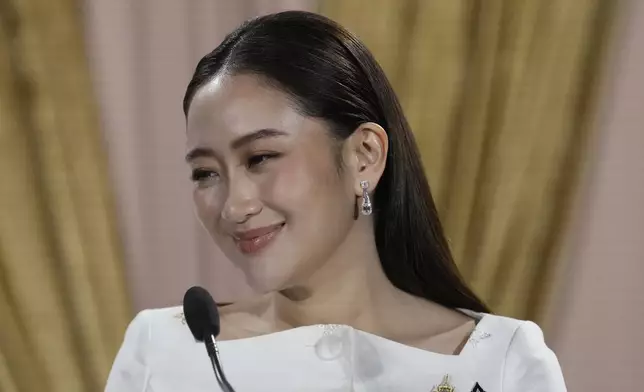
[[200, 175], [260, 159]]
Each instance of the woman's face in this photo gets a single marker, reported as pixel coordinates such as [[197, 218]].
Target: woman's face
[[267, 186]]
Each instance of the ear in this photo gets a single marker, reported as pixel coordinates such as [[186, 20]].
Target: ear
[[366, 155]]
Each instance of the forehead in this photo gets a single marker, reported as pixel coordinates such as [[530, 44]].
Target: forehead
[[231, 106]]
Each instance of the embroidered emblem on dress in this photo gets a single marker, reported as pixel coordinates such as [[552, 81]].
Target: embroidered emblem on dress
[[477, 388], [444, 386]]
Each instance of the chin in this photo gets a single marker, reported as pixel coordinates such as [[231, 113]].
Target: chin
[[263, 275], [263, 285], [267, 271]]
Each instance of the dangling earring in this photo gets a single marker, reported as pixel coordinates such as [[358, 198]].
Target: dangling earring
[[365, 207]]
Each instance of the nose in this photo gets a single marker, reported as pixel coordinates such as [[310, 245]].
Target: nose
[[242, 201]]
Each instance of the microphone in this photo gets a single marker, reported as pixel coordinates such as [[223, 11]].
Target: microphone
[[202, 318]]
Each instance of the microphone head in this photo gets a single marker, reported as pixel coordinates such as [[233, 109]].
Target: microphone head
[[201, 313]]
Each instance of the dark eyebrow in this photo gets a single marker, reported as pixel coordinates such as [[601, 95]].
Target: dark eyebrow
[[235, 144], [251, 137], [200, 152]]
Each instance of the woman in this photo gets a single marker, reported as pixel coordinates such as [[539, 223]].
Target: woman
[[308, 178]]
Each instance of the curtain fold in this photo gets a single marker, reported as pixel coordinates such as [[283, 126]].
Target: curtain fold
[[500, 95], [63, 298]]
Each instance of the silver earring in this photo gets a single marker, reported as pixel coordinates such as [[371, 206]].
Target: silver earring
[[366, 207]]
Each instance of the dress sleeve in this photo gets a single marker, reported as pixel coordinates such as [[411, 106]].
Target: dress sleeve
[[530, 366], [130, 371]]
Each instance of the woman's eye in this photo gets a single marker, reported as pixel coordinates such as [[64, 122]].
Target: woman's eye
[[200, 176], [259, 159]]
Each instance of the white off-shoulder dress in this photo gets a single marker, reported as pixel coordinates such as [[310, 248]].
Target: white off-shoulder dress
[[159, 354]]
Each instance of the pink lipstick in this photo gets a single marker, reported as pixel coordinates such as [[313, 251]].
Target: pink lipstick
[[254, 240]]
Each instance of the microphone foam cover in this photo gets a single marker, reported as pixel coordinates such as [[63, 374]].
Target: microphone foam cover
[[201, 313]]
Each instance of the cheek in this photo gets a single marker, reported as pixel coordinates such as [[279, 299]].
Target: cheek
[[304, 187], [207, 206]]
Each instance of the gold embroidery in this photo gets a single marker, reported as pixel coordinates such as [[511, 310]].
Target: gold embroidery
[[444, 386]]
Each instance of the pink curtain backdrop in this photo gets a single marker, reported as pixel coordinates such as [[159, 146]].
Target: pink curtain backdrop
[[600, 311], [142, 55]]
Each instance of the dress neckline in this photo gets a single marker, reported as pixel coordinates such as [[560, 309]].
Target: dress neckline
[[308, 332]]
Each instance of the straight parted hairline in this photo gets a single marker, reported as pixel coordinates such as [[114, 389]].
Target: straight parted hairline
[[271, 84], [330, 75]]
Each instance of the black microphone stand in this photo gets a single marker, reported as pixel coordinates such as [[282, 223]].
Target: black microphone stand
[[213, 353]]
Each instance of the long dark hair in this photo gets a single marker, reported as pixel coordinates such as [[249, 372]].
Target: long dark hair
[[329, 74]]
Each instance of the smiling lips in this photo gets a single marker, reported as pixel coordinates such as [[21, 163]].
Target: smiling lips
[[252, 241]]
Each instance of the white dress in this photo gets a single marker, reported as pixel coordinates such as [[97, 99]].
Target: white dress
[[159, 354]]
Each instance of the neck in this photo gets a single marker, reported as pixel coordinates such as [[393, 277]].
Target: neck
[[350, 289]]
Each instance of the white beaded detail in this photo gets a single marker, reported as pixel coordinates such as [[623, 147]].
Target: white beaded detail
[[329, 329], [477, 336], [331, 345], [180, 316]]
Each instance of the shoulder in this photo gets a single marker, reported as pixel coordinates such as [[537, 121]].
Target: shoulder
[[152, 324], [235, 317], [528, 363], [155, 324], [154, 330], [157, 317], [149, 328]]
